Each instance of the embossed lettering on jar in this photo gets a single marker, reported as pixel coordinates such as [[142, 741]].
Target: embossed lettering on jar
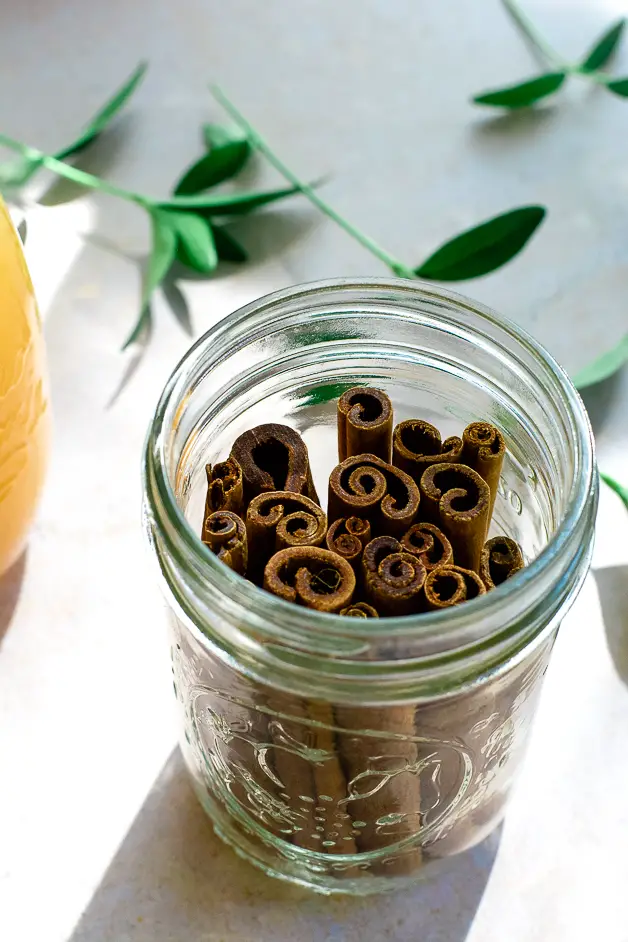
[[346, 754]]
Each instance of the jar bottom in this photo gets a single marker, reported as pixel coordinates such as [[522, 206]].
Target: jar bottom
[[355, 875]]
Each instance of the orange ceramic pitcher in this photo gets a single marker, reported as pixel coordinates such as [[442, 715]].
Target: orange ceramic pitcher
[[24, 406]]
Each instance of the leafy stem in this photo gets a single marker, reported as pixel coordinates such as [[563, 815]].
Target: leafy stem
[[539, 42], [256, 139]]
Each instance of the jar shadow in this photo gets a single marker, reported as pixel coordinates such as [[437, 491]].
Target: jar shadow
[[10, 588], [173, 878], [612, 585]]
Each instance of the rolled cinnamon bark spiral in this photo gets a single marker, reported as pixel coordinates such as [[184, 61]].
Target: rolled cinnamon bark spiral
[[224, 487], [273, 458], [455, 498], [483, 449], [360, 610], [501, 558], [430, 544], [417, 444], [365, 417], [393, 580], [366, 486], [451, 585], [279, 519], [310, 576], [348, 536], [225, 534]]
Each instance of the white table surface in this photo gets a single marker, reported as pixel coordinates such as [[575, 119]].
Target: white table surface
[[100, 836]]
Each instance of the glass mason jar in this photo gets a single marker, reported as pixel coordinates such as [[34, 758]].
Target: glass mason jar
[[351, 755]]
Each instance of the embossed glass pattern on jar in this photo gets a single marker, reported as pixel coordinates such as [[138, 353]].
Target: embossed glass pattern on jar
[[352, 755]]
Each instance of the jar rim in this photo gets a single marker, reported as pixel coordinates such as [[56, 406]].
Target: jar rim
[[462, 621]]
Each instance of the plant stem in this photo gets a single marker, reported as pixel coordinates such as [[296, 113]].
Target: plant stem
[[397, 267], [531, 32], [81, 177]]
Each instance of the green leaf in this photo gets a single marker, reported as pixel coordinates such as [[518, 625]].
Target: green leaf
[[229, 151], [325, 393], [481, 250], [100, 121], [159, 263], [524, 93], [604, 366], [17, 172], [601, 52], [227, 248], [195, 242], [614, 485], [228, 204], [618, 87]]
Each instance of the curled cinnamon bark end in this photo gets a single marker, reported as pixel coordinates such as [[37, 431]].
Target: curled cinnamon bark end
[[366, 486], [430, 544], [501, 558], [348, 536], [360, 610], [483, 449], [393, 580], [365, 417], [310, 576], [451, 585], [279, 519], [457, 499], [417, 444], [226, 537], [224, 488], [273, 458]]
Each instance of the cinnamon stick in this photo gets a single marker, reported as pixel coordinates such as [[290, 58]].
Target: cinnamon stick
[[501, 558], [366, 486], [273, 458], [278, 519], [348, 536], [225, 534], [417, 444], [393, 580], [360, 610], [451, 585], [457, 499], [483, 449], [365, 417], [224, 488], [430, 544], [310, 576]]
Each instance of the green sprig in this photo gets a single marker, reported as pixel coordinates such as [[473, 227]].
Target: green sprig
[[526, 93], [473, 253]]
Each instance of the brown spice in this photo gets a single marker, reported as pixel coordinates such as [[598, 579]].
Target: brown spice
[[457, 499], [501, 558], [393, 580], [273, 458], [224, 488], [348, 536], [366, 486], [360, 610], [417, 444], [310, 576], [278, 519], [365, 417], [483, 449], [225, 534], [451, 585], [430, 544]]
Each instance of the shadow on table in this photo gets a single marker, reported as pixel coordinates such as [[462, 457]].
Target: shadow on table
[[10, 587], [600, 398], [612, 585], [172, 879]]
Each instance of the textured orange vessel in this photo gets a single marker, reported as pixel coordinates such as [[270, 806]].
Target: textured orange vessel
[[24, 406]]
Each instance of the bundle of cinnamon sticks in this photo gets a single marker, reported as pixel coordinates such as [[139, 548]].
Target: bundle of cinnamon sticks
[[407, 518]]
